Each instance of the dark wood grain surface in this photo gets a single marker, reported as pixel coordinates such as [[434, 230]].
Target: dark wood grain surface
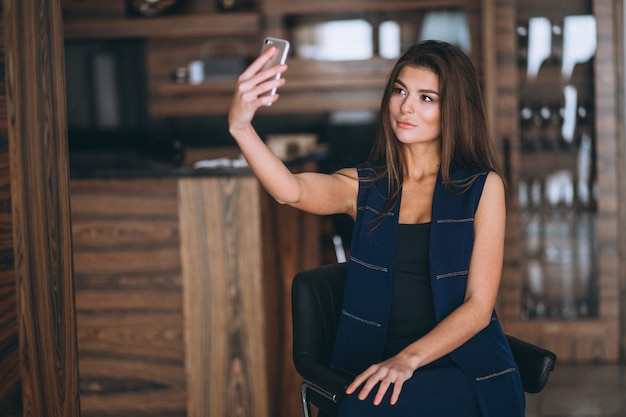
[[9, 335], [36, 126], [225, 326]]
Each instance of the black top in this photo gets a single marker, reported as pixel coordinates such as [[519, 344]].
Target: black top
[[412, 307]]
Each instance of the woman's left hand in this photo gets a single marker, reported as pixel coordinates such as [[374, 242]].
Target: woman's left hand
[[394, 371]]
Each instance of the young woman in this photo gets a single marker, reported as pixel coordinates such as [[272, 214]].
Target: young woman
[[418, 328]]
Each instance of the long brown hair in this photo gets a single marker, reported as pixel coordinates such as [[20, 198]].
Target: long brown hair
[[465, 138]]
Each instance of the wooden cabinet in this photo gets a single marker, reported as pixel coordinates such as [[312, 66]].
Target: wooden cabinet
[[183, 296]]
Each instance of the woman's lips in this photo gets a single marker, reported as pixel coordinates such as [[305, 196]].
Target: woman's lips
[[404, 124]]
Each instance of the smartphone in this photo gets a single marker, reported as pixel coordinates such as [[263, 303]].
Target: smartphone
[[282, 49]]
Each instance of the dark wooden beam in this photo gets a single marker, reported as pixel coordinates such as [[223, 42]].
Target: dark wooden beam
[[37, 133]]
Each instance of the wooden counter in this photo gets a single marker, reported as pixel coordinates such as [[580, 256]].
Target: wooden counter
[[183, 296]]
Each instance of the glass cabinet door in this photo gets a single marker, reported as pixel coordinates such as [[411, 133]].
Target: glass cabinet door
[[556, 188], [561, 276]]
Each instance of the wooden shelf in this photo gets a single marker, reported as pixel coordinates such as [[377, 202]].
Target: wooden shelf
[[540, 164], [182, 26], [281, 7], [312, 86], [214, 99]]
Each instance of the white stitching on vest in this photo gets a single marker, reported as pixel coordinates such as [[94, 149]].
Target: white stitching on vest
[[357, 318], [506, 371], [469, 219], [373, 210], [451, 274], [370, 266]]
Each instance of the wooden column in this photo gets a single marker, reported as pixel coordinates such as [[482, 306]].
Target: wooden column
[[35, 83], [620, 62], [9, 334], [222, 268]]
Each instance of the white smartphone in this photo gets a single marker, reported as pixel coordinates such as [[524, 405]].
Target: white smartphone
[[282, 49]]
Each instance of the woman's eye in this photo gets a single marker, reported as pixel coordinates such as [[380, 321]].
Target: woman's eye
[[427, 98], [399, 90]]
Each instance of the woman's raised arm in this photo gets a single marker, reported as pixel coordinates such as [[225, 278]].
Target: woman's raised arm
[[313, 192]]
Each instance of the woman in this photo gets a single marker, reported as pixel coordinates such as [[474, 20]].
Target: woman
[[418, 328]]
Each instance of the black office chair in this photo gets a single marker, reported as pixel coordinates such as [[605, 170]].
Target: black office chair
[[317, 295]]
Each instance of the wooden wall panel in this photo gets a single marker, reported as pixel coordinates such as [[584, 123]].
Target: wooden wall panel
[[128, 297], [505, 120]]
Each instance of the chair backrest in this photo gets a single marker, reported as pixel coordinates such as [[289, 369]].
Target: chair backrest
[[317, 296]]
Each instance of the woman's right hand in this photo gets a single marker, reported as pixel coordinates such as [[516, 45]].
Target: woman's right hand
[[251, 84]]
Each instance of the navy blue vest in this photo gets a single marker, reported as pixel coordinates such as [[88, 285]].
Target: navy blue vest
[[361, 337]]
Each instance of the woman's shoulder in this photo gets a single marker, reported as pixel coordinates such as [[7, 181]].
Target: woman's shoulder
[[359, 173], [349, 177], [495, 182], [349, 173], [475, 180]]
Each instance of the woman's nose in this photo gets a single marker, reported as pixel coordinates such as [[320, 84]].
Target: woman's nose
[[407, 106]]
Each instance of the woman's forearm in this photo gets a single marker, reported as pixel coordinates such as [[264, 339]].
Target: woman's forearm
[[452, 332], [275, 177]]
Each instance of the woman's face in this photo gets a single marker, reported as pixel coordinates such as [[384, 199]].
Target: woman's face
[[414, 106]]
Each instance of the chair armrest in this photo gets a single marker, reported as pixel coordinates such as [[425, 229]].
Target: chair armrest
[[329, 380], [535, 363]]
